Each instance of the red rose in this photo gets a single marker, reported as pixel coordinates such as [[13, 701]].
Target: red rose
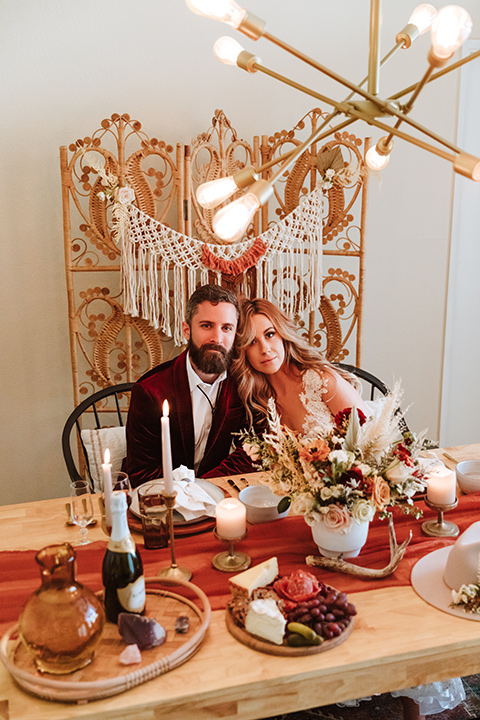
[[342, 418], [298, 586]]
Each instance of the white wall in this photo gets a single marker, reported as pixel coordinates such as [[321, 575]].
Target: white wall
[[461, 388], [67, 64]]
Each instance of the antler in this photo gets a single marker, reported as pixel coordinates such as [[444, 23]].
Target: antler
[[396, 554]]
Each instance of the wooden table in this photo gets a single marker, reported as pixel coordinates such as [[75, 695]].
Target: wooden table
[[398, 641]]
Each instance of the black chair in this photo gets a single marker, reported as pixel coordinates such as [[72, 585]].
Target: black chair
[[375, 386], [89, 405]]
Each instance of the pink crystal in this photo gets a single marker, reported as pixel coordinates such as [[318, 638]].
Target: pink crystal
[[131, 655]]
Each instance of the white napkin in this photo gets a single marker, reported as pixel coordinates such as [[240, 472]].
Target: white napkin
[[183, 473], [192, 501]]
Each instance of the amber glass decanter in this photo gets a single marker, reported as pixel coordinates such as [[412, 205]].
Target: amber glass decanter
[[62, 621]]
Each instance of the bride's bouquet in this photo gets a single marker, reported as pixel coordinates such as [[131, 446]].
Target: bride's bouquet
[[361, 467]]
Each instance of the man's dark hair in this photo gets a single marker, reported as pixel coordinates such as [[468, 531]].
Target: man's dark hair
[[213, 294]]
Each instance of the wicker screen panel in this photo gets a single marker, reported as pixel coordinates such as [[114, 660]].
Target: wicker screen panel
[[109, 347]]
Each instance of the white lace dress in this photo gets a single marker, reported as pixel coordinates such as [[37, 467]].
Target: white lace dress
[[318, 417], [434, 697]]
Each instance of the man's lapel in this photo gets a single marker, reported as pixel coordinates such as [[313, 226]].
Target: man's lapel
[[184, 409]]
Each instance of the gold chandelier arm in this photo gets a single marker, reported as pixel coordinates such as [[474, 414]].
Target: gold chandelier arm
[[438, 74], [408, 106], [382, 104], [409, 138], [350, 109]]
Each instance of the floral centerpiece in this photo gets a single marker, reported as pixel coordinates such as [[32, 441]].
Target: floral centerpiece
[[360, 467]]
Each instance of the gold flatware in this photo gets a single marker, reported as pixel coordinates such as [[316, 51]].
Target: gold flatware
[[450, 457], [233, 484]]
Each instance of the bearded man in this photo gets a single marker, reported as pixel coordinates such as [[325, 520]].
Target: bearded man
[[205, 411]]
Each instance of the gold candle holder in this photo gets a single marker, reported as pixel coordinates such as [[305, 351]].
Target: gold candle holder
[[231, 560], [440, 527], [173, 572]]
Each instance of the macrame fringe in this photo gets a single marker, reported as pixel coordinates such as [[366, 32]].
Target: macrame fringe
[[287, 257]]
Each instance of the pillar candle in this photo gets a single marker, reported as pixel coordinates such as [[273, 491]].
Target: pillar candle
[[107, 487], [166, 450], [231, 518], [441, 486]]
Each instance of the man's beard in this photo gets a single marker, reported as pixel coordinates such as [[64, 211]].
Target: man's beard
[[210, 359]]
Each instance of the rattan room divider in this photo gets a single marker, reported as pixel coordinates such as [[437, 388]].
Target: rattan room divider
[[109, 346]]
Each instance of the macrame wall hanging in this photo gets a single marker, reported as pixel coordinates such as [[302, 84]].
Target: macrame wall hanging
[[285, 256], [137, 242]]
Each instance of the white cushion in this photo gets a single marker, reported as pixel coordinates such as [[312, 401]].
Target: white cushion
[[96, 442]]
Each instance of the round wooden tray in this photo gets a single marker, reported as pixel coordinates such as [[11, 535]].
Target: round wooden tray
[[256, 643], [105, 675]]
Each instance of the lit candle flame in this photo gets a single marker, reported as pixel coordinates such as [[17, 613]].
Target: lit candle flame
[[106, 457], [165, 408]]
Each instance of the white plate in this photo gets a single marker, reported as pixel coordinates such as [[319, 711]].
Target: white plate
[[214, 491]]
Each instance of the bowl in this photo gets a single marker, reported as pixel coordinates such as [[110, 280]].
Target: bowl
[[261, 504], [468, 476]]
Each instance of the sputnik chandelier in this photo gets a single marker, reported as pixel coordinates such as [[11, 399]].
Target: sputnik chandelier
[[449, 27]]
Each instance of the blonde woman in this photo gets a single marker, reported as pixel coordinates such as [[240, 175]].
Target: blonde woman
[[273, 360]]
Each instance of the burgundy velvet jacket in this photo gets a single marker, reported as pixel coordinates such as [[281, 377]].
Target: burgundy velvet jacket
[[169, 381]]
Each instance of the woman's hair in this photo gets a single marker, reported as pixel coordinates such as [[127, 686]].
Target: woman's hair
[[253, 387]]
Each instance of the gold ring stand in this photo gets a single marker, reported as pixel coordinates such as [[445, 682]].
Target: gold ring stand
[[231, 560], [173, 572]]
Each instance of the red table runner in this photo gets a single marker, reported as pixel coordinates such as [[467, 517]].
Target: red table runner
[[289, 539]]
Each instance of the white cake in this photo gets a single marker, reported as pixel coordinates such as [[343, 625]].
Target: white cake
[[258, 576], [463, 562], [265, 620]]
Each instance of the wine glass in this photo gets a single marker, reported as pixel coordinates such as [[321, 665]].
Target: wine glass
[[123, 483], [82, 507]]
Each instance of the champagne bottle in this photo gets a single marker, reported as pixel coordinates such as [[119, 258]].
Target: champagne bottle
[[122, 569]]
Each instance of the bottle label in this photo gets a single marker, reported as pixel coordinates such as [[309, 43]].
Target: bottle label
[[125, 545], [132, 597]]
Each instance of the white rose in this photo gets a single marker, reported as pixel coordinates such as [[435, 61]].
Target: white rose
[[338, 456], [364, 469], [101, 195], [252, 450], [125, 195], [397, 472], [338, 491], [326, 493], [312, 518], [330, 173], [302, 504], [362, 511]]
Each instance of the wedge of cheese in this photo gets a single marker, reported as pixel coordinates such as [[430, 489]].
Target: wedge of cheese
[[258, 576], [265, 620]]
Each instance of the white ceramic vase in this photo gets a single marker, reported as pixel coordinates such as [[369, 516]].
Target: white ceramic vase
[[333, 544]]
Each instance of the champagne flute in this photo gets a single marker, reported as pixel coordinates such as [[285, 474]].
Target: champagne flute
[[123, 483], [82, 507]]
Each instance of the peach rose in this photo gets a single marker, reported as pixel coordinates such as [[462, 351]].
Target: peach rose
[[380, 493], [337, 519]]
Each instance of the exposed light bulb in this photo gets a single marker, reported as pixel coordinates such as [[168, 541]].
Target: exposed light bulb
[[423, 17], [226, 11], [212, 193], [230, 222], [376, 160], [450, 29], [227, 50]]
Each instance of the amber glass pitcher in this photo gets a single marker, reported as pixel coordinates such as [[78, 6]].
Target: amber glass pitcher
[[62, 621]]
